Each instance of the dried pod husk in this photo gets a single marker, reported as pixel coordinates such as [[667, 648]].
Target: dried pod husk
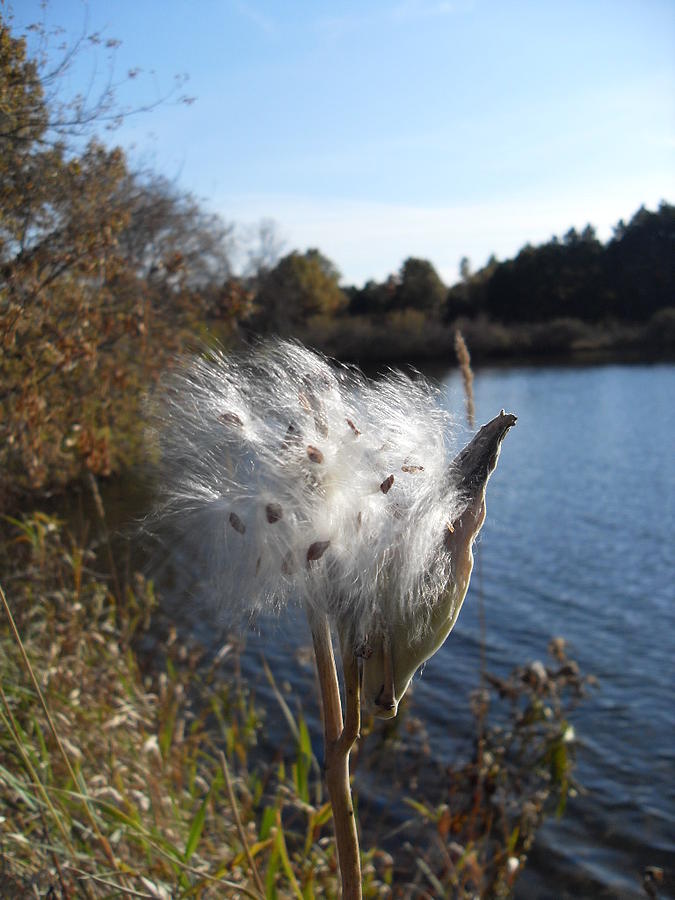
[[401, 646]]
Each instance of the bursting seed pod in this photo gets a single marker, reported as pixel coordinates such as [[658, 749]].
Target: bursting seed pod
[[307, 482], [401, 648]]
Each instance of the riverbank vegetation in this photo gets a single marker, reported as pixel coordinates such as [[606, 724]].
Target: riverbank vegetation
[[134, 763]]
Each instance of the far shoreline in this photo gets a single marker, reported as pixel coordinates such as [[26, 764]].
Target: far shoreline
[[414, 340]]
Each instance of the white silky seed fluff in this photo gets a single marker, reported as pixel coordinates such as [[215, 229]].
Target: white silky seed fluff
[[280, 463]]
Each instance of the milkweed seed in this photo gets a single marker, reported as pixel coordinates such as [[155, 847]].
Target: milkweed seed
[[353, 427], [317, 550], [314, 454], [236, 523], [386, 484], [230, 418], [412, 469], [274, 512]]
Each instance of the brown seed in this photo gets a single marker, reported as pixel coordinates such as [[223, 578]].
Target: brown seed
[[412, 469], [353, 427], [236, 523], [230, 418], [386, 484], [317, 550], [274, 512], [314, 454]]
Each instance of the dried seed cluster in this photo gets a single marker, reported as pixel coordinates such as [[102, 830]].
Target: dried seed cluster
[[279, 469]]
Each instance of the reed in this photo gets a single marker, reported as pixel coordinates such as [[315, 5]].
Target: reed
[[464, 360]]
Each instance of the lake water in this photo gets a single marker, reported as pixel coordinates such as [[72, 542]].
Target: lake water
[[578, 543]]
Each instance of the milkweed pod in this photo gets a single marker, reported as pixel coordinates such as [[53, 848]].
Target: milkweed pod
[[403, 644]]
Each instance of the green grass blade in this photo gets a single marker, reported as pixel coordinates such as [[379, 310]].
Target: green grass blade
[[196, 828]]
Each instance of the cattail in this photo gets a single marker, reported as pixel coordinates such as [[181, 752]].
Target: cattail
[[464, 360]]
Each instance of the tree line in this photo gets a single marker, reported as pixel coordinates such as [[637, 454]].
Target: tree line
[[628, 278]]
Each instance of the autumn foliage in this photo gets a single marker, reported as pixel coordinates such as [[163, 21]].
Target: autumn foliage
[[102, 273]]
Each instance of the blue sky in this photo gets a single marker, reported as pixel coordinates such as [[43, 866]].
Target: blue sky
[[381, 130]]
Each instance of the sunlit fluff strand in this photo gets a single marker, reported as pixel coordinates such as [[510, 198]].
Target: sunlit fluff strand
[[306, 481]]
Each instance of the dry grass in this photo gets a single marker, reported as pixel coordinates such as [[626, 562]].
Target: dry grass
[[147, 782], [128, 790]]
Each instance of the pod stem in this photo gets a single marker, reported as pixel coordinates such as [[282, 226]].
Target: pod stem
[[339, 738]]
